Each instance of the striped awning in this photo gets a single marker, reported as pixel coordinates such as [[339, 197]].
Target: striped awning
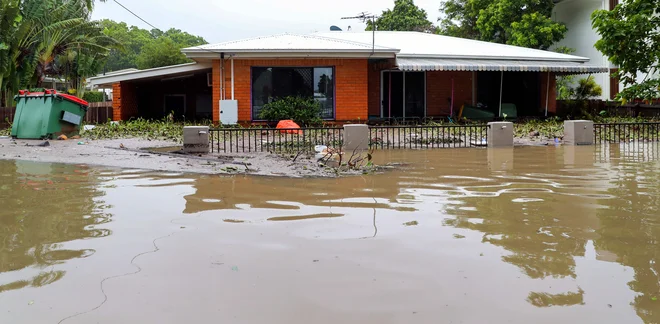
[[439, 64]]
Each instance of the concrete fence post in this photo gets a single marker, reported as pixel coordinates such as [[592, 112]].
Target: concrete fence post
[[500, 134], [356, 137], [196, 139], [578, 132]]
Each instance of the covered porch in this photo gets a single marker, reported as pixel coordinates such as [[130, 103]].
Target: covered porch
[[409, 89]]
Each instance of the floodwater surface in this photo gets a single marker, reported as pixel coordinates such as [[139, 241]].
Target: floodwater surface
[[524, 235]]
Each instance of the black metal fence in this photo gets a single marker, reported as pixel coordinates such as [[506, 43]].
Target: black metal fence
[[274, 140], [627, 132], [428, 136]]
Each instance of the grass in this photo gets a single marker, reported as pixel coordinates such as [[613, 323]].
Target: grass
[[550, 128], [142, 128]]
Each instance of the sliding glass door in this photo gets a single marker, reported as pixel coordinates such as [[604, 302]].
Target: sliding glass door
[[403, 94]]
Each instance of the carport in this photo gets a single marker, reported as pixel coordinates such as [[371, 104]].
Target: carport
[[185, 91]]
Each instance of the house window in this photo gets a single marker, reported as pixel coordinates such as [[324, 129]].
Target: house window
[[270, 83]]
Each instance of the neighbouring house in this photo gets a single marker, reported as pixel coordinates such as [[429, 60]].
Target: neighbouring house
[[582, 37], [356, 76]]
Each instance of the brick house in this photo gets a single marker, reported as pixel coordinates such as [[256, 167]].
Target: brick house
[[356, 76]]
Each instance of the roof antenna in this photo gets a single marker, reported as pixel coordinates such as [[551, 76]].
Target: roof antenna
[[364, 17]]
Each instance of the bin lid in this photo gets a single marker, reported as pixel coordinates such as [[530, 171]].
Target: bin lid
[[64, 96]]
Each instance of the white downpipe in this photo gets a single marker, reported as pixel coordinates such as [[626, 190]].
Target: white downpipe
[[547, 95], [501, 84], [232, 78]]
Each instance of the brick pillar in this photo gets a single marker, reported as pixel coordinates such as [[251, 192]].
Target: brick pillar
[[124, 101], [552, 98], [116, 101]]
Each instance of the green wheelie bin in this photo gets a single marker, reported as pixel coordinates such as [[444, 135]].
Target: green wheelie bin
[[46, 115]]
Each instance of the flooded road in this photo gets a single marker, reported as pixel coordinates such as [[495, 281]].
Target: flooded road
[[524, 235]]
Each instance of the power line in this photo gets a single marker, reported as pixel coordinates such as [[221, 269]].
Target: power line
[[146, 22], [132, 13]]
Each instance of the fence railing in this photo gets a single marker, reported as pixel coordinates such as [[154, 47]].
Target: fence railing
[[627, 132], [274, 140], [98, 112], [7, 115], [429, 136]]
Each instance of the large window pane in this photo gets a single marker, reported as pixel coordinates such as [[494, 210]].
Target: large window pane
[[270, 83], [324, 91], [262, 89]]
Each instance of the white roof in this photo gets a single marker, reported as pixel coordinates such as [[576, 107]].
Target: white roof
[[145, 74], [416, 44], [287, 43]]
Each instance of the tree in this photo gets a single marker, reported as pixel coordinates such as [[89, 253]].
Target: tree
[[405, 16], [134, 40], [525, 23], [631, 39], [160, 52], [36, 40], [9, 22]]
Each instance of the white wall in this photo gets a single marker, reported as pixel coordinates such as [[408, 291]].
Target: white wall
[[576, 14]]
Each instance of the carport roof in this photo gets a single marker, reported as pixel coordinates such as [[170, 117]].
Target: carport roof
[[130, 75]]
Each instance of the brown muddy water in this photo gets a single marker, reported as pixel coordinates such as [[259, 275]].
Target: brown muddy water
[[524, 235]]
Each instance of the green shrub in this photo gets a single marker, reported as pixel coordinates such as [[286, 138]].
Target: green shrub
[[302, 110], [93, 96]]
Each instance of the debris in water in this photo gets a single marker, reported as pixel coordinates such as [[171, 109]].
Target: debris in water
[[234, 268], [654, 298], [31, 302], [315, 261], [458, 236]]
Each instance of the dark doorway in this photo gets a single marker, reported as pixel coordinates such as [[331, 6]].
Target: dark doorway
[[392, 94], [403, 90], [519, 88], [175, 104]]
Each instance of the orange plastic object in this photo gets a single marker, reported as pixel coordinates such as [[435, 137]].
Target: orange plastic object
[[289, 127]]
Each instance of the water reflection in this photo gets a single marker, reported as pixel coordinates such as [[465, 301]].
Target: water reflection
[[548, 207], [43, 206], [563, 232]]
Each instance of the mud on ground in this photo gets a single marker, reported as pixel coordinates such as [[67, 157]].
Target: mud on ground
[[130, 153]]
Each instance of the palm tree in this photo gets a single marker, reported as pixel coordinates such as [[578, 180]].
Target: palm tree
[[38, 37]]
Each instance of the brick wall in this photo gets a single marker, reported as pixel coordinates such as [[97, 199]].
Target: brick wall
[[351, 79], [552, 99], [124, 101], [438, 91]]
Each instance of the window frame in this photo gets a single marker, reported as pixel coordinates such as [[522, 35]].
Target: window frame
[[334, 83]]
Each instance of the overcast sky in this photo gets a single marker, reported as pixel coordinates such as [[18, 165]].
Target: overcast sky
[[224, 20]]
